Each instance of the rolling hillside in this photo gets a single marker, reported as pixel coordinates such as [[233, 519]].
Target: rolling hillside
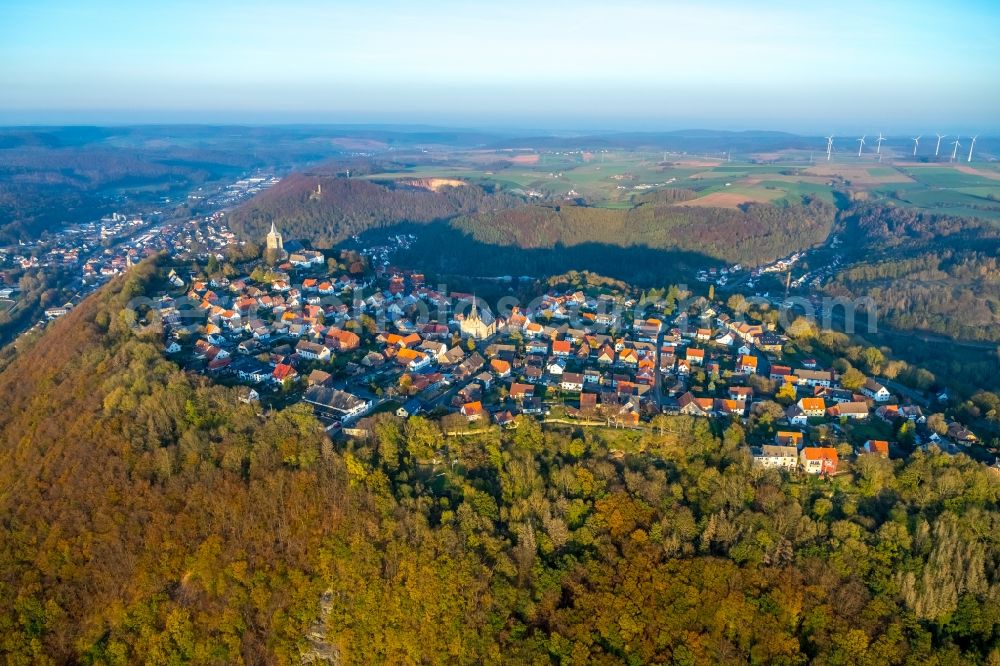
[[342, 207], [148, 516]]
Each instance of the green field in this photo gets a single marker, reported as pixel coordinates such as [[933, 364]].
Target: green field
[[616, 178]]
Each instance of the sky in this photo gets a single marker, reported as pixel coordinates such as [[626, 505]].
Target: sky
[[796, 66]]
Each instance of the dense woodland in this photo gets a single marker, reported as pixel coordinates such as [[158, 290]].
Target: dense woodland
[[344, 207], [755, 234], [149, 516], [600, 239], [927, 272]]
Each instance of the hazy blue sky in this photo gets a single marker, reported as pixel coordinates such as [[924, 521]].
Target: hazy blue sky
[[842, 66]]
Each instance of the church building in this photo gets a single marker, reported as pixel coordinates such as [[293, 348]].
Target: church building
[[476, 326]]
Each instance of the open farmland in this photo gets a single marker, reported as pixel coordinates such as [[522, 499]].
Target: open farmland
[[734, 198], [618, 179]]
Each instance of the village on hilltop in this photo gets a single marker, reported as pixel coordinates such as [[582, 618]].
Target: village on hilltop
[[353, 342]]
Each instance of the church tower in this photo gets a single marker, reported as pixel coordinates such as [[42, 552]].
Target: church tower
[[274, 241], [474, 313]]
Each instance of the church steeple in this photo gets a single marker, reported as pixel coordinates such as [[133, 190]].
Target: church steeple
[[474, 314], [274, 240]]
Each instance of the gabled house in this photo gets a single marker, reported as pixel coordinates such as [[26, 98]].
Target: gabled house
[[571, 381], [537, 347], [796, 416], [725, 407], [819, 460], [521, 391], [813, 407], [283, 372], [334, 403], [809, 377], [500, 367], [606, 355], [874, 390], [772, 455], [851, 410], [319, 378], [780, 373], [692, 406], [473, 411], [409, 408], [741, 393], [788, 438], [879, 447], [312, 351], [413, 360]]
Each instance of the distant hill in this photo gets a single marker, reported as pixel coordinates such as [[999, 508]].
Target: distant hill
[[926, 272], [326, 209], [755, 234]]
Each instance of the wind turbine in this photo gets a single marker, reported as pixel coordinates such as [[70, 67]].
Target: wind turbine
[[938, 149], [861, 141], [971, 146], [878, 144], [829, 147], [954, 153], [916, 142]]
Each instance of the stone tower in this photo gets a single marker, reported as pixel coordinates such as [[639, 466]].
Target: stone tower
[[274, 241]]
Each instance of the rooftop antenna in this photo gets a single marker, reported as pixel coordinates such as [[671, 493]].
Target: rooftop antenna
[[829, 147], [937, 149], [971, 146], [916, 142], [954, 153], [878, 144], [861, 141]]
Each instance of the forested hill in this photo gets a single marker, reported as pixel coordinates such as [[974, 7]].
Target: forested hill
[[342, 207], [756, 234], [147, 516], [926, 272], [150, 517]]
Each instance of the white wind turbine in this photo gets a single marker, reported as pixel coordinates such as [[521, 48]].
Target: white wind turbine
[[861, 145], [878, 144], [938, 148], [954, 153], [916, 142], [829, 147], [971, 146]]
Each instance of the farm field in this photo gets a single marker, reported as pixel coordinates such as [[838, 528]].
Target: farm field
[[616, 179]]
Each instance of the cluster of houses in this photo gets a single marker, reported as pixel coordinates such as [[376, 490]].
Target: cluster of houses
[[347, 344]]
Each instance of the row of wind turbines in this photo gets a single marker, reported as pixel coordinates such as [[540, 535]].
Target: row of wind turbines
[[916, 142]]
